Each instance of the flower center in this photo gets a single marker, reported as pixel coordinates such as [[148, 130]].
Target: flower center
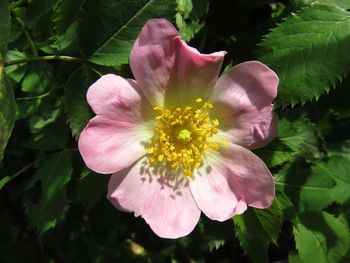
[[184, 135], [181, 136]]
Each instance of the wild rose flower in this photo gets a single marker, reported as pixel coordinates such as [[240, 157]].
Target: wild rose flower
[[177, 139]]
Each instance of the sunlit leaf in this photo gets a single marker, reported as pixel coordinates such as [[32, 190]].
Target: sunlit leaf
[[37, 80], [295, 138], [109, 42], [49, 112], [307, 190], [320, 237], [338, 168], [188, 18], [340, 3], [314, 187], [16, 72], [4, 180], [309, 51]]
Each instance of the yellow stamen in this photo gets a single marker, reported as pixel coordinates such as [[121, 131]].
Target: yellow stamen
[[181, 136], [216, 122]]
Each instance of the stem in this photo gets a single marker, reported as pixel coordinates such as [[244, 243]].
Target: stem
[[35, 97], [29, 38], [25, 168], [51, 57], [94, 70]]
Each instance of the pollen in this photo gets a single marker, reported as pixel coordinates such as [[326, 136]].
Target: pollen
[[181, 136]]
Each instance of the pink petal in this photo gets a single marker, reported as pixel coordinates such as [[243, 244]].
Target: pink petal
[[250, 179], [232, 181], [213, 195], [161, 63], [243, 101], [167, 207], [196, 73], [108, 146], [116, 98]]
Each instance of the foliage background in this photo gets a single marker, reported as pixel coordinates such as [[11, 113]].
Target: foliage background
[[54, 210]]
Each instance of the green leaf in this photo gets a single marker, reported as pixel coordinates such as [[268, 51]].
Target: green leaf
[[7, 99], [53, 175], [286, 205], [214, 234], [314, 187], [35, 81], [7, 111], [59, 43], [276, 153], [188, 18], [293, 258], [65, 13], [338, 168], [254, 245], [271, 220], [343, 149], [25, 108], [215, 244], [298, 134], [50, 112], [345, 4], [38, 13], [309, 52], [77, 109], [109, 42], [64, 24], [5, 24], [91, 187], [320, 237], [16, 72], [295, 138], [52, 137], [307, 190], [256, 228], [4, 180]]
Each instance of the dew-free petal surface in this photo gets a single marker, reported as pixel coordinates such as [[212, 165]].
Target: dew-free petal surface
[[170, 210], [108, 146], [116, 98], [246, 174], [213, 194], [243, 102], [163, 64]]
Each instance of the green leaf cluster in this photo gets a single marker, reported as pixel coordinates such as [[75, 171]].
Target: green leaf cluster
[[54, 209], [305, 50], [189, 18], [256, 228]]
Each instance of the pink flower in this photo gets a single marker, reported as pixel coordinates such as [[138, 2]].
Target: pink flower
[[177, 139]]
